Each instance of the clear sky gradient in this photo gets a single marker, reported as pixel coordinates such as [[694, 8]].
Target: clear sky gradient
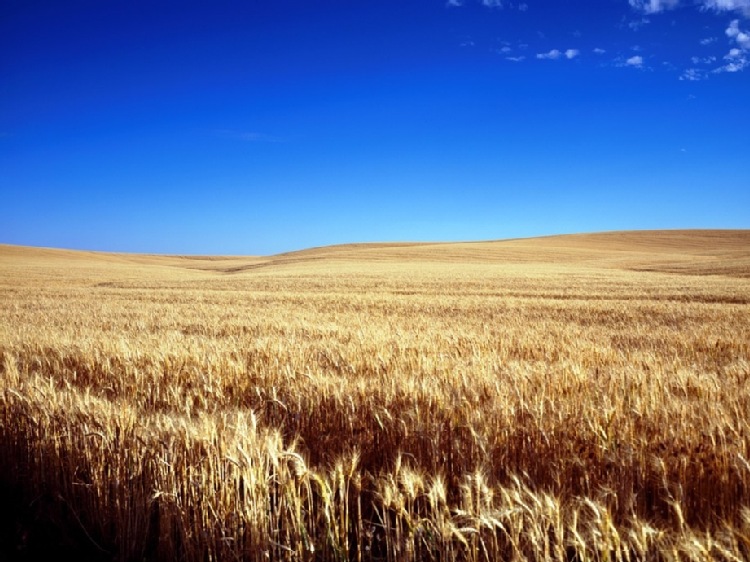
[[256, 127]]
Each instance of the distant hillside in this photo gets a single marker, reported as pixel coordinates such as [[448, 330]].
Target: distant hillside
[[695, 252], [723, 252]]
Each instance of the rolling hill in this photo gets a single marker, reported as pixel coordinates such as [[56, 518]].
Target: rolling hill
[[695, 252]]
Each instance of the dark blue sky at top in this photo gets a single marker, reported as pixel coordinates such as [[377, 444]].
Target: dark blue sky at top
[[259, 127]]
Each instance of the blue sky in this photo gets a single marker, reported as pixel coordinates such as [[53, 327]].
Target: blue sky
[[258, 127]]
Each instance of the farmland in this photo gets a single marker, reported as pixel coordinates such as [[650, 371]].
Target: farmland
[[582, 397]]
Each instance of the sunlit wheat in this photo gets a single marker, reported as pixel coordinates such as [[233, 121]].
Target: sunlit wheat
[[579, 398]]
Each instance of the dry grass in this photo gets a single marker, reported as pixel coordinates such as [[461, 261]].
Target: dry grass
[[567, 398]]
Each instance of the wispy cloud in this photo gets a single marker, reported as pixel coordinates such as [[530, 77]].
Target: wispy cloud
[[635, 25], [520, 6], [653, 6], [493, 4], [698, 67], [693, 74], [742, 6], [656, 6]]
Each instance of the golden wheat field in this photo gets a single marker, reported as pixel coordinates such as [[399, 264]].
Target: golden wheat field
[[570, 398]]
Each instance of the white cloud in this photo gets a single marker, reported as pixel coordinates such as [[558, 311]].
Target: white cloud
[[653, 6], [734, 66], [703, 60], [499, 4], [728, 5], [656, 6], [734, 32], [555, 54], [515, 59], [552, 55], [636, 61], [599, 51], [737, 59]]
